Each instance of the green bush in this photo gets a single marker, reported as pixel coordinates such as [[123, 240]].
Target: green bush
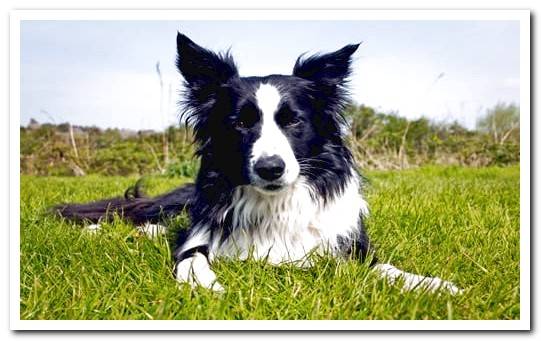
[[386, 140], [378, 140], [187, 169]]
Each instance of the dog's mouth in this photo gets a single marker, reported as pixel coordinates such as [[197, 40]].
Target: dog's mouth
[[273, 187], [270, 188]]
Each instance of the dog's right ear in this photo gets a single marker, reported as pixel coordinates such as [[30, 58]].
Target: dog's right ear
[[330, 68], [200, 66]]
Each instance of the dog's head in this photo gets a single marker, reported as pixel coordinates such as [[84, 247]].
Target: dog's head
[[266, 131]]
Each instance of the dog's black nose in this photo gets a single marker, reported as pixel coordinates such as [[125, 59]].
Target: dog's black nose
[[270, 168]]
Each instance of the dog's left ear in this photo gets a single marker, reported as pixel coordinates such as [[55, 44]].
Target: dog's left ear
[[201, 66], [330, 68]]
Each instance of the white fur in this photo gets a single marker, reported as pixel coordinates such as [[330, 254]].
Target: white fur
[[198, 238], [413, 281], [92, 228], [272, 141], [288, 226], [196, 272], [148, 229], [152, 230]]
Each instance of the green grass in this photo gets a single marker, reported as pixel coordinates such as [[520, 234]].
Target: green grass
[[456, 223]]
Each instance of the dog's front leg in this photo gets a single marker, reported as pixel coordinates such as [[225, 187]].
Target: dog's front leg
[[361, 248], [196, 271], [193, 266], [416, 282]]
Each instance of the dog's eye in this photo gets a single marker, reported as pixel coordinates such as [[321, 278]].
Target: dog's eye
[[242, 124], [292, 121], [287, 118], [247, 118]]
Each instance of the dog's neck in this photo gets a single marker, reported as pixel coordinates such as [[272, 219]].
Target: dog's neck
[[288, 225]]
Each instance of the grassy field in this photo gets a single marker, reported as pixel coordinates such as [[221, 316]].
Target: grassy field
[[456, 223]]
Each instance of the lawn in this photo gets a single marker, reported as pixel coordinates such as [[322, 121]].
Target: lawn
[[461, 224]]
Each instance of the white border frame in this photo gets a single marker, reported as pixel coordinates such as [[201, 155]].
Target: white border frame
[[523, 16]]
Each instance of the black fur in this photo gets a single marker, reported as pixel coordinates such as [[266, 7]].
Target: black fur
[[214, 102], [220, 107], [361, 248], [134, 208]]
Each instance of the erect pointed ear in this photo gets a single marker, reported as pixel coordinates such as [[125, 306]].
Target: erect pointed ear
[[332, 67], [201, 66]]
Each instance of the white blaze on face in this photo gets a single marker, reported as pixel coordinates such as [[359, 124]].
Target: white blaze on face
[[272, 140]]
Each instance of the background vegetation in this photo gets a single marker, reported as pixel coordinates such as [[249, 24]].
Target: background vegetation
[[379, 141]]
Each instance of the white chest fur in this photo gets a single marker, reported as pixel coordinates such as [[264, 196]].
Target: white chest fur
[[287, 226]]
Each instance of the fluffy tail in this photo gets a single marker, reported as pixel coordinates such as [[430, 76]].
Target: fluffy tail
[[134, 207]]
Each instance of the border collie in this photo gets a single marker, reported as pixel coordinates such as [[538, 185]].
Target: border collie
[[277, 180]]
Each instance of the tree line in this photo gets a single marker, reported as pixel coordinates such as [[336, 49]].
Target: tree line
[[378, 140]]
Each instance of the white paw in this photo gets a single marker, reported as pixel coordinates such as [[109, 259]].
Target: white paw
[[433, 284], [92, 228], [152, 230], [217, 287], [450, 287], [196, 271], [416, 282]]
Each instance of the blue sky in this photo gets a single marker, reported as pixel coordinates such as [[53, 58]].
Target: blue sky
[[103, 72]]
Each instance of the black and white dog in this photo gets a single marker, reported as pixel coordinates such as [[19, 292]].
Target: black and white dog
[[277, 180]]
